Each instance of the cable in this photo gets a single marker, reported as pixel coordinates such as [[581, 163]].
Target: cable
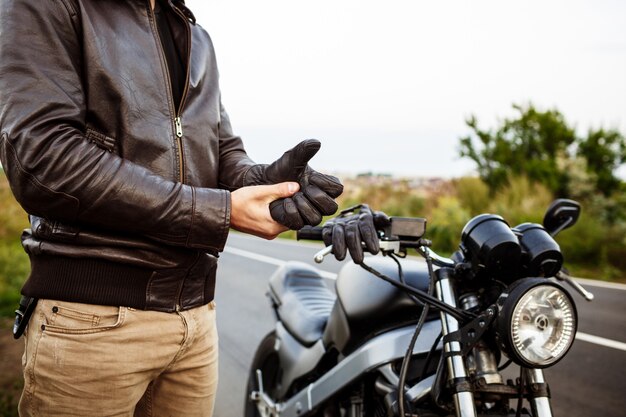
[[461, 315], [401, 275], [505, 365], [427, 299], [409, 352], [520, 398], [430, 356], [405, 362]]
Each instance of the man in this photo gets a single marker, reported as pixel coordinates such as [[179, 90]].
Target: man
[[114, 140]]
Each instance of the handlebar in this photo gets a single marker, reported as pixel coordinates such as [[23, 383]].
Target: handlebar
[[406, 229], [395, 246], [310, 233]]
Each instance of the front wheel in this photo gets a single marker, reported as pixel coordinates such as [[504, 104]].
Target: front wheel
[[267, 361]]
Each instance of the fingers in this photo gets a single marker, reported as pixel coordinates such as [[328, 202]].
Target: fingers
[[352, 233], [292, 164], [321, 191], [277, 191], [353, 241], [327, 183], [322, 201], [302, 153], [282, 208], [249, 212], [285, 212], [309, 213], [368, 233], [339, 242], [302, 208], [381, 220], [327, 233], [291, 208]]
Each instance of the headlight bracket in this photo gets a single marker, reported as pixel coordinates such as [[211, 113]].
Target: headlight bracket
[[471, 333]]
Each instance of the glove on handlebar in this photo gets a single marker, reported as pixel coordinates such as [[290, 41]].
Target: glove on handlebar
[[317, 191], [348, 231]]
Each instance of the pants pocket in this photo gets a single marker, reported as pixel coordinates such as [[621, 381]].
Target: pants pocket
[[77, 318]]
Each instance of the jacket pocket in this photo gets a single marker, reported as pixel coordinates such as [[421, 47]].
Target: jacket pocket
[[52, 230], [101, 140]]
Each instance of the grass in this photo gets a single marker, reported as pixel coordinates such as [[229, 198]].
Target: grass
[[11, 381], [14, 268], [9, 399], [14, 263]]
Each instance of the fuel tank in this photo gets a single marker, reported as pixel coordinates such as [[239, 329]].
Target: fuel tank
[[367, 306]]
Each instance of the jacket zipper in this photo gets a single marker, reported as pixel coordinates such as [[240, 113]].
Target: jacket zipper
[[177, 113]]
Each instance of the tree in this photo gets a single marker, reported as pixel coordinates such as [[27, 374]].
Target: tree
[[604, 151], [536, 144]]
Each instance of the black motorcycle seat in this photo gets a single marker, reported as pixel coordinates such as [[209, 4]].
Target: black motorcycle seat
[[303, 301]]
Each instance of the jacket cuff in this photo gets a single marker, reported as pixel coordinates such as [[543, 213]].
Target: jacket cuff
[[210, 219]]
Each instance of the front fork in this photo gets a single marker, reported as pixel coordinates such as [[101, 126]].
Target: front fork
[[463, 397], [539, 405], [457, 374]]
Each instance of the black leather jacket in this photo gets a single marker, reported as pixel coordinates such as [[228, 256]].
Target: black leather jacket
[[128, 195]]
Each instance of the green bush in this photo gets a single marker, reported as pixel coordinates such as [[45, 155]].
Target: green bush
[[14, 264], [473, 194], [9, 398], [14, 268], [520, 201], [595, 247], [446, 223]]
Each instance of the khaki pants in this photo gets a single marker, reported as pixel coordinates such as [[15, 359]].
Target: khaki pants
[[91, 360]]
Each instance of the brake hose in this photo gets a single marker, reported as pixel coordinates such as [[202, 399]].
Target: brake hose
[[461, 315], [409, 352]]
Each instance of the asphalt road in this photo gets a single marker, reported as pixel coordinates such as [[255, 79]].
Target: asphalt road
[[588, 382]]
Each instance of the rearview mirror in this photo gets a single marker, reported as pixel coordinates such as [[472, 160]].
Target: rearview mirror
[[561, 214]]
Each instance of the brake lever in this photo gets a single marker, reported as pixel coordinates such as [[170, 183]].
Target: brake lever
[[319, 256], [386, 246], [562, 276]]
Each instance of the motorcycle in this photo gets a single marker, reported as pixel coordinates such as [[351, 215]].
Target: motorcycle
[[404, 337]]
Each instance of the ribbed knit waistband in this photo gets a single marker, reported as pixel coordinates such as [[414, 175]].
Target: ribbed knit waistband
[[90, 281]]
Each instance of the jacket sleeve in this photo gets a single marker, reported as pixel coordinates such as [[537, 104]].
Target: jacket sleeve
[[54, 171], [234, 161]]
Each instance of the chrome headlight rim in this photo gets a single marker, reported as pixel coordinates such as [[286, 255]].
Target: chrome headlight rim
[[509, 301]]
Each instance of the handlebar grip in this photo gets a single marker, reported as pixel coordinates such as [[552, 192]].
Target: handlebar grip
[[309, 233]]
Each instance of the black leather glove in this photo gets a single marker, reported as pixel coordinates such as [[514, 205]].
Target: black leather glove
[[348, 231], [317, 194]]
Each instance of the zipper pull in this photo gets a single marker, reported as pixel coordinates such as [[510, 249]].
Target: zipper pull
[[179, 127]]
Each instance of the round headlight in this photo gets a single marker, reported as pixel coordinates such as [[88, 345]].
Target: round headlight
[[537, 322]]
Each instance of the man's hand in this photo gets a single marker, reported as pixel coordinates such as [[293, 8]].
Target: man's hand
[[347, 231], [249, 208], [317, 191]]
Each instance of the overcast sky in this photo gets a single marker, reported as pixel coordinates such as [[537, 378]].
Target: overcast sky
[[387, 85]]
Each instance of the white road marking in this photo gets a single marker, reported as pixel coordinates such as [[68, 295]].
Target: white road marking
[[280, 240], [270, 260], [596, 340], [601, 284], [255, 256]]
